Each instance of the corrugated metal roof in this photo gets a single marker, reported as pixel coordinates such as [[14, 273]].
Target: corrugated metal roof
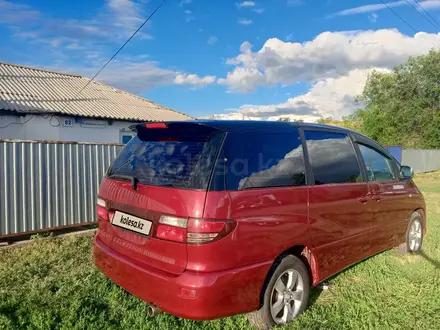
[[24, 89]]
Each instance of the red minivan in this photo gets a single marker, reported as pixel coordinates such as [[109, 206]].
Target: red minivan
[[206, 219]]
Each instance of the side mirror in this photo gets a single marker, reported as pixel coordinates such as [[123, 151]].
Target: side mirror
[[406, 172]]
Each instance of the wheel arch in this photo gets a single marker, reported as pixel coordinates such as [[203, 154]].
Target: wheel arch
[[305, 255]]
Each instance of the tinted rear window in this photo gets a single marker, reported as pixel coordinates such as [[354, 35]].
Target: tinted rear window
[[332, 157], [259, 159], [180, 157]]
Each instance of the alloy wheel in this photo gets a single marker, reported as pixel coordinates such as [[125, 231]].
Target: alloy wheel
[[415, 235], [287, 296]]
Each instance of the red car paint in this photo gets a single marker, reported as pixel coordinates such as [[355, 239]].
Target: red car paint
[[332, 226]]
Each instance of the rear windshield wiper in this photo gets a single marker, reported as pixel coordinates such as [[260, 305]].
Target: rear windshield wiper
[[134, 181]]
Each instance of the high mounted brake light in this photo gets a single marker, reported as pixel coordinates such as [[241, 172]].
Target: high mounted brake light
[[156, 125]]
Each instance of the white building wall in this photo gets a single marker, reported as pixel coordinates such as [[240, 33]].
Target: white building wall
[[62, 128]]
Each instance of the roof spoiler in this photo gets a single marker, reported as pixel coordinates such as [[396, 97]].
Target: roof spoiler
[[169, 124], [174, 131]]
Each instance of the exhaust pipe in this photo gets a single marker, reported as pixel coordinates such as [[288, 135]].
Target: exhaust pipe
[[153, 310]]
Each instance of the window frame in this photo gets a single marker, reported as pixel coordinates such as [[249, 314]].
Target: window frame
[[367, 142], [310, 180]]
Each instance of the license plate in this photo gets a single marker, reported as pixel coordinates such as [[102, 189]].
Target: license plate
[[132, 223]]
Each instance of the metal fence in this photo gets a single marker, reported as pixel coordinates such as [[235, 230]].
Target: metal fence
[[395, 151], [46, 185], [421, 160]]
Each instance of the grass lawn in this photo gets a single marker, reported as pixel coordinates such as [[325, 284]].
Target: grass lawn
[[52, 284]]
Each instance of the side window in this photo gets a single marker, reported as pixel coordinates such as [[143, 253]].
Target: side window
[[379, 166], [263, 159], [332, 158]]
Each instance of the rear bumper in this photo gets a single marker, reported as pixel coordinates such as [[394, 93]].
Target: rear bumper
[[197, 296]]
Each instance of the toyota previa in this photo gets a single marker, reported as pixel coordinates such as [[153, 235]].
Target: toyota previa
[[206, 219]]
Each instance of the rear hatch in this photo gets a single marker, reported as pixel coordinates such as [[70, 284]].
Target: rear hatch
[[160, 178]]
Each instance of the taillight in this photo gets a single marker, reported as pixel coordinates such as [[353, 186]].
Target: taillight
[[172, 228], [192, 231], [173, 221], [101, 209], [171, 233], [202, 231]]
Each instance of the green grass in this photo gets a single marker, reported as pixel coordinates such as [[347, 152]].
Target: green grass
[[52, 284]]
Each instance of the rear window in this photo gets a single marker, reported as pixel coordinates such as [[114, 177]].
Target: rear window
[[180, 156], [260, 159]]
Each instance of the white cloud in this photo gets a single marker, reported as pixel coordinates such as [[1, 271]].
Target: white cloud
[[85, 43], [188, 16], [329, 97], [368, 8], [93, 55], [373, 17], [13, 13], [246, 4], [74, 45], [330, 54], [193, 79], [243, 79], [427, 4], [185, 2], [259, 10], [229, 116], [116, 20], [136, 75], [126, 13], [244, 21], [212, 40]]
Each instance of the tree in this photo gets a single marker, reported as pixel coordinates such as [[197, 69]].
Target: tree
[[288, 119], [326, 120], [346, 122], [402, 107]]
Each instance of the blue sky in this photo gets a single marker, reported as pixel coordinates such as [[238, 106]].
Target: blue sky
[[304, 59]]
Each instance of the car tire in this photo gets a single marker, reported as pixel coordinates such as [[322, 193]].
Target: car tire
[[414, 234], [285, 296], [415, 228]]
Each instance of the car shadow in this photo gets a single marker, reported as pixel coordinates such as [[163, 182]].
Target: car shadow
[[436, 263], [314, 295]]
